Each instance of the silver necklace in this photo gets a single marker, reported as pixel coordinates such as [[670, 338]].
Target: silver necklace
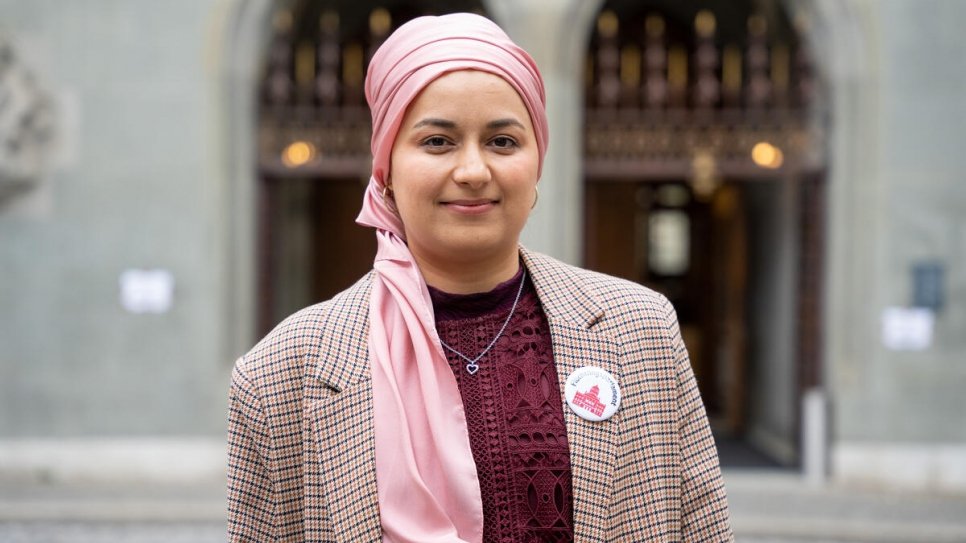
[[471, 363]]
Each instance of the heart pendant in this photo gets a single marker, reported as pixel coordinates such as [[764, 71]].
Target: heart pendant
[[472, 368]]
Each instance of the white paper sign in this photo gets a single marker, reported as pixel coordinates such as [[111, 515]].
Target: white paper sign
[[146, 291], [907, 328]]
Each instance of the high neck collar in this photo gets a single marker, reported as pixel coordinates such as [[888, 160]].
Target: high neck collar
[[447, 306]]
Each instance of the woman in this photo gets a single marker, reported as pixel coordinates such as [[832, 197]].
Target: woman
[[468, 389]]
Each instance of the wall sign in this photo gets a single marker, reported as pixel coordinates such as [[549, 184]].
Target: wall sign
[[907, 328], [146, 291], [927, 285]]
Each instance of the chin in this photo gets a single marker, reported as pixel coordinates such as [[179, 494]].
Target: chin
[[477, 249]]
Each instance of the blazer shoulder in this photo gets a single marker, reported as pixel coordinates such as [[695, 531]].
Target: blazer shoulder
[[304, 333], [618, 291], [607, 290]]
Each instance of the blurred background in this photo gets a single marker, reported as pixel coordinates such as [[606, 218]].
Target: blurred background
[[176, 177]]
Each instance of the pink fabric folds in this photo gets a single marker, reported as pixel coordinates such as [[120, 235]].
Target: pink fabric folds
[[426, 476]]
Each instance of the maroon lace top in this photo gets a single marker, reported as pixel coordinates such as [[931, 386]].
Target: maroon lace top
[[513, 410]]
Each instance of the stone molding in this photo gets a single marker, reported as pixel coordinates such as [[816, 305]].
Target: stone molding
[[924, 467], [114, 460]]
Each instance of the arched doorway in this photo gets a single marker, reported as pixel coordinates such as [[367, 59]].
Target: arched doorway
[[704, 179], [313, 147]]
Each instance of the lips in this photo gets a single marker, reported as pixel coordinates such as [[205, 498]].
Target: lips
[[470, 206]]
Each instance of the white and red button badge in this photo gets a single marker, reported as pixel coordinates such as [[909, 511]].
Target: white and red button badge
[[592, 393]]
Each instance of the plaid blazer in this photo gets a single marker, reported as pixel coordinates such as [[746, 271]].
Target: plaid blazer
[[301, 463]]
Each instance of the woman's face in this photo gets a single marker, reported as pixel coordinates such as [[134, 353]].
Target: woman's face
[[464, 169]]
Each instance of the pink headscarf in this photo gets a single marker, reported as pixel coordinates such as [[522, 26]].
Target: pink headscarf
[[426, 476]]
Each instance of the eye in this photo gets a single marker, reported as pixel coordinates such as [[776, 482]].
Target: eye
[[503, 142], [435, 142]]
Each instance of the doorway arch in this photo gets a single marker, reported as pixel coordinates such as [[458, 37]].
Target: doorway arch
[[248, 36], [705, 165], [842, 39], [241, 34]]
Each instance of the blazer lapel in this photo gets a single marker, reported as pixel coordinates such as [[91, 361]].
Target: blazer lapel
[[341, 420], [342, 427], [572, 311]]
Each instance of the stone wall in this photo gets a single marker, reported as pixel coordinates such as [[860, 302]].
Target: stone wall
[[131, 187]]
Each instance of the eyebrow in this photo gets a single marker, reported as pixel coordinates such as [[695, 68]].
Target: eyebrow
[[503, 123], [439, 123], [444, 123]]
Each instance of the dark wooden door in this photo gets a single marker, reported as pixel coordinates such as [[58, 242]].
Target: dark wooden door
[[342, 250], [693, 251]]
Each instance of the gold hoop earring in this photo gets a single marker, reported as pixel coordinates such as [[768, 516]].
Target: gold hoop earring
[[388, 198], [536, 197]]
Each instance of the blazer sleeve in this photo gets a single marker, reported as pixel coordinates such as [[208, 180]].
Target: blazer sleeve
[[704, 505], [251, 500]]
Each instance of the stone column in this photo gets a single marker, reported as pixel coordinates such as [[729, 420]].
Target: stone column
[[555, 33]]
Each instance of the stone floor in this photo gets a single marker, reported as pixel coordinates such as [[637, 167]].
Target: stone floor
[[111, 532], [771, 505], [767, 505]]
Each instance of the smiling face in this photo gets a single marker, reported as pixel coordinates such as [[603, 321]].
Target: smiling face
[[464, 171]]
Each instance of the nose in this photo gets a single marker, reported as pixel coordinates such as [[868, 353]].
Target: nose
[[472, 168]]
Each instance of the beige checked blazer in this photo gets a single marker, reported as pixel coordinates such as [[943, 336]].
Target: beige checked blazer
[[300, 440]]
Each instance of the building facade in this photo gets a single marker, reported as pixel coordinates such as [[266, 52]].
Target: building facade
[[787, 172]]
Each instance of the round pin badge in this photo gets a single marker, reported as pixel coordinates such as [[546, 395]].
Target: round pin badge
[[593, 393]]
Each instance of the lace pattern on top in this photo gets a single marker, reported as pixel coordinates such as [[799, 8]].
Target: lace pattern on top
[[514, 413]]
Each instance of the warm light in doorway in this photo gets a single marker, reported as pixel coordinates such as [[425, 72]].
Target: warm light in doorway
[[298, 153], [767, 155]]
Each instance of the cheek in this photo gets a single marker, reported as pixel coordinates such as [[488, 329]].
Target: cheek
[[527, 168], [411, 201], [401, 174], [404, 202], [525, 177]]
